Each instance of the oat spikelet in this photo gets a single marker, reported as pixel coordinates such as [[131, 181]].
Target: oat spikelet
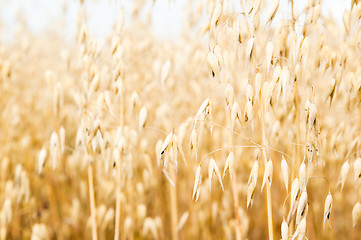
[[269, 54], [284, 230], [268, 174], [62, 139], [39, 232], [285, 82], [357, 169], [252, 181], [166, 142], [179, 147], [182, 220], [197, 183], [194, 141], [54, 149], [235, 114], [285, 172], [273, 10], [216, 15], [229, 94], [300, 231], [165, 71], [229, 165], [346, 20], [328, 207], [248, 112], [331, 86], [212, 168], [294, 192], [302, 177], [343, 174], [249, 92], [301, 207], [41, 160], [203, 109], [142, 117], [213, 64], [356, 213], [249, 49]]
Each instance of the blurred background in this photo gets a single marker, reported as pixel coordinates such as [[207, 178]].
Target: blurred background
[[41, 15]]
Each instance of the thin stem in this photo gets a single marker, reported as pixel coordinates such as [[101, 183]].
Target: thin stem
[[93, 213], [268, 187], [119, 177], [173, 200], [117, 205], [234, 184]]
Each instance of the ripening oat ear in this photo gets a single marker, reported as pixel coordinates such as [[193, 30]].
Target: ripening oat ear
[[249, 49], [178, 147], [249, 92], [269, 54], [229, 165], [357, 169], [149, 228], [41, 160], [212, 168], [83, 33], [285, 172], [285, 80], [167, 142], [301, 208], [216, 15], [204, 109], [165, 71], [268, 174], [54, 149], [197, 183], [343, 174], [194, 142], [158, 149], [267, 89], [346, 20], [39, 232], [311, 115], [143, 114], [294, 192], [273, 10], [284, 230], [115, 43], [328, 207], [219, 55], [229, 93], [235, 114], [6, 212], [251, 185], [356, 213], [98, 143], [255, 6], [183, 219], [302, 177], [256, 21], [331, 86], [213, 64], [248, 112], [62, 139], [300, 230]]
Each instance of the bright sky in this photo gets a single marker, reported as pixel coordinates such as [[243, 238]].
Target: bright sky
[[166, 18]]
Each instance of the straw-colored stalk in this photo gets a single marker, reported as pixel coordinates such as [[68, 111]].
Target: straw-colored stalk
[[92, 202]]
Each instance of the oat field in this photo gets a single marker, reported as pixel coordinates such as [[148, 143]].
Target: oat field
[[246, 126]]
